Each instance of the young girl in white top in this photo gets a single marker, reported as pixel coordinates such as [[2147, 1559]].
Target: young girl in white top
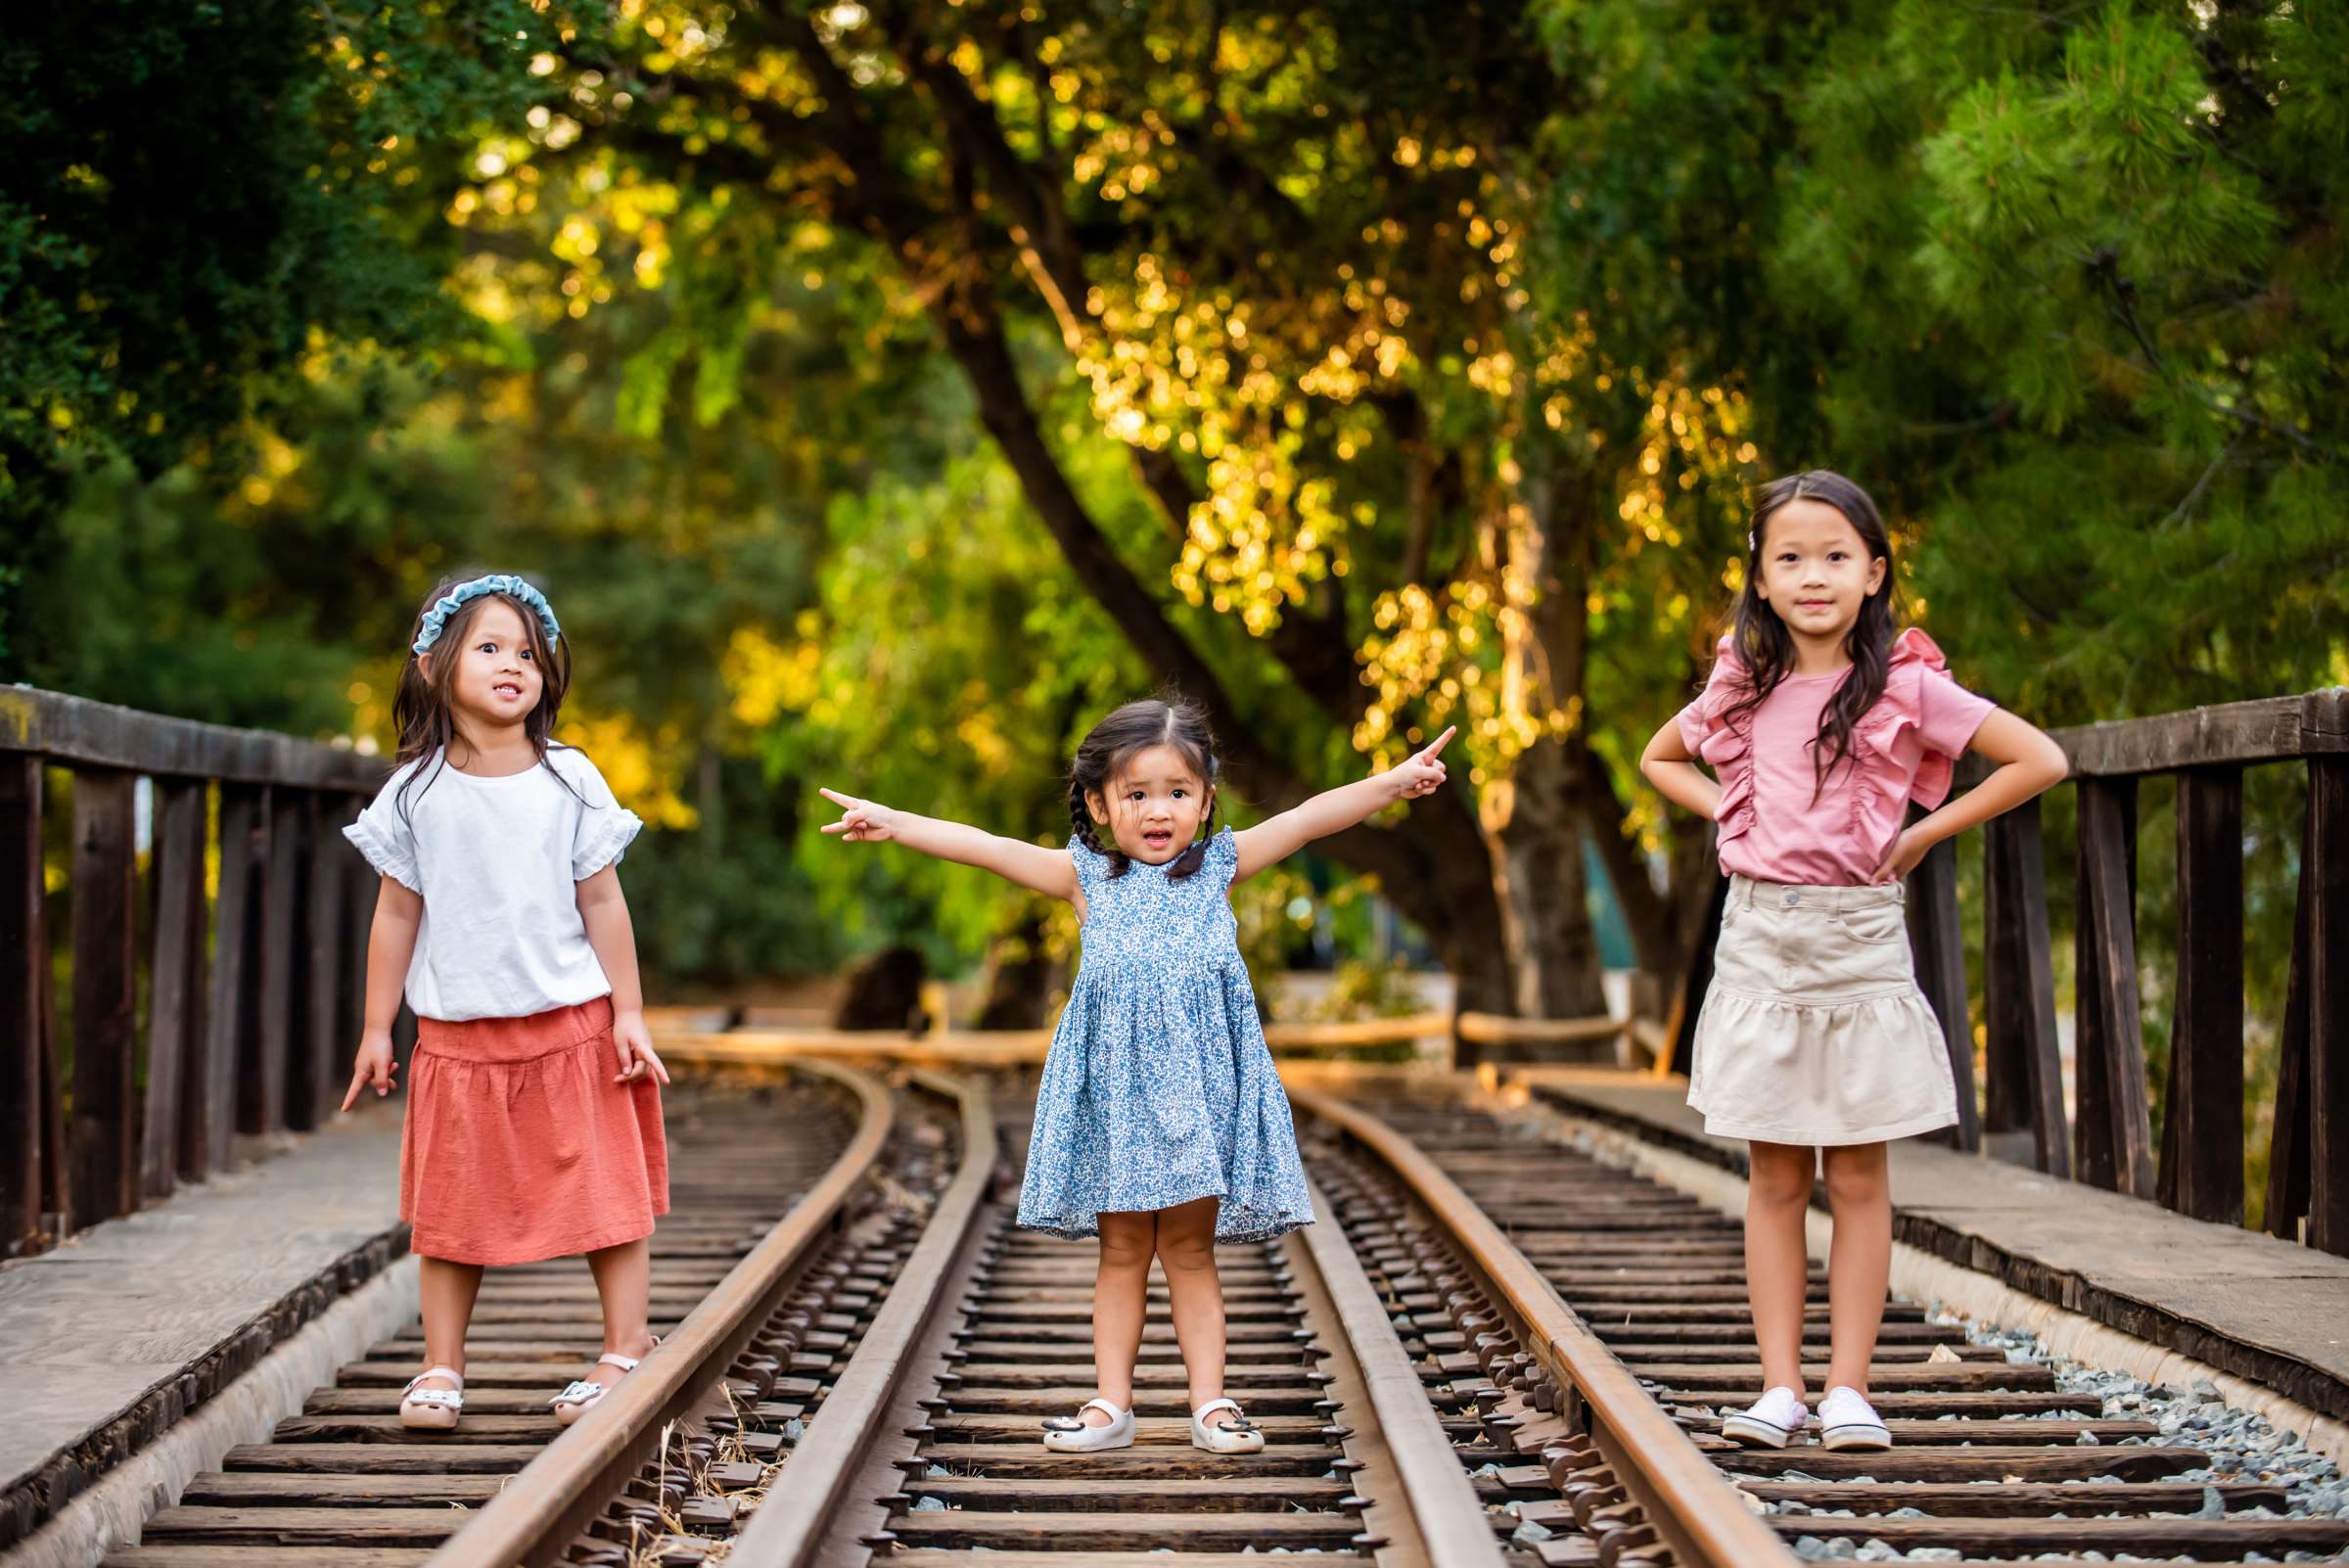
[[534, 1122], [1161, 1126], [1823, 726]]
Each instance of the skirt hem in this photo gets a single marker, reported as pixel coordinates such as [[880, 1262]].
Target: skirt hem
[[423, 1245], [1812, 1137]]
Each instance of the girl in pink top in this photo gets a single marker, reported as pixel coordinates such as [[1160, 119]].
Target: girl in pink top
[[1822, 725]]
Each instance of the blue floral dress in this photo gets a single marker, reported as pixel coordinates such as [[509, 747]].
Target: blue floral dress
[[1159, 1088]]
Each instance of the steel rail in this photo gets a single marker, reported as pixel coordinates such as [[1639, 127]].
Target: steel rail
[[553, 1499], [788, 1529], [1688, 1502]]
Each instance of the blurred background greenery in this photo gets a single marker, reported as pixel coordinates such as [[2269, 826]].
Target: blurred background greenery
[[884, 390]]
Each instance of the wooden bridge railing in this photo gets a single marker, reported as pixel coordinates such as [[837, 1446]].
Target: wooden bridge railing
[[2198, 1169], [254, 995]]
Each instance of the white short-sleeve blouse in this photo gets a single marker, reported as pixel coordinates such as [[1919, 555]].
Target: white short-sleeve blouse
[[498, 862]]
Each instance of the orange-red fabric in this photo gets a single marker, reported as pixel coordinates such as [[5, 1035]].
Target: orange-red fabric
[[518, 1145]]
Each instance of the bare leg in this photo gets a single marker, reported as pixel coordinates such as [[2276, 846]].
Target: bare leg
[[624, 1280], [1777, 1263], [447, 1290], [1860, 1261], [1120, 1293], [1186, 1250]]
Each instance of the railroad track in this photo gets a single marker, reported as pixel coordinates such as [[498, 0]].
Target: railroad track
[[1994, 1461], [859, 1344]]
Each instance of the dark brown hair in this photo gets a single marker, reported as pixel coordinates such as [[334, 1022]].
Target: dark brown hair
[[1766, 647], [420, 710], [1116, 741]]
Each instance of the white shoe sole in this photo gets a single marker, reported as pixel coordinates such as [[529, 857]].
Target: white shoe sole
[[1216, 1441], [428, 1419], [1859, 1435], [1755, 1433]]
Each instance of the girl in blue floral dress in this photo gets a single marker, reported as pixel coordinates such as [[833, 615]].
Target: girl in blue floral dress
[[1161, 1126]]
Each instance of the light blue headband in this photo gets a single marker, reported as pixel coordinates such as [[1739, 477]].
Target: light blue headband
[[505, 582]]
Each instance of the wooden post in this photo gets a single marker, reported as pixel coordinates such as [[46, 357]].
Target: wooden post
[[263, 1093], [325, 859], [2287, 1148], [2024, 1062], [360, 886], [2202, 1116], [244, 850], [1699, 978], [1937, 947], [2326, 872], [104, 1130], [2114, 1140], [24, 968], [175, 1007]]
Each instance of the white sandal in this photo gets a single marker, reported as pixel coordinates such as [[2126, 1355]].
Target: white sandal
[[580, 1395], [1072, 1434], [433, 1410], [1239, 1435]]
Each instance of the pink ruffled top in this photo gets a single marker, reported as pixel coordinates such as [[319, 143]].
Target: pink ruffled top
[[1903, 749]]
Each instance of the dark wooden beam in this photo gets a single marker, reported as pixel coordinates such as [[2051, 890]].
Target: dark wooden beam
[[2202, 1108], [1937, 947], [23, 969], [175, 1001], [2112, 1129], [2326, 870], [77, 731], [236, 945], [2022, 1058], [103, 1129]]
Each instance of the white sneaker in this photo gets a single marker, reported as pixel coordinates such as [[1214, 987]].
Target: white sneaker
[[1072, 1434], [1846, 1420], [1770, 1423]]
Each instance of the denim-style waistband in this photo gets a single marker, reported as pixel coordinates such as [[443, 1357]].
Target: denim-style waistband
[[1746, 890]]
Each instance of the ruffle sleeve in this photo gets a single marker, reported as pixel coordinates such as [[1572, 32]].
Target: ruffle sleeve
[[382, 834], [1222, 857], [604, 835], [1708, 732], [1898, 761]]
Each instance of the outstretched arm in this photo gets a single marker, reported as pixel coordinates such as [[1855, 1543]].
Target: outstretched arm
[[1048, 871], [1275, 839]]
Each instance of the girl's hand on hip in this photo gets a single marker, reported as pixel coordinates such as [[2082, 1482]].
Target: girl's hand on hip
[[1906, 850], [374, 1066], [1422, 772], [865, 821], [635, 1042]]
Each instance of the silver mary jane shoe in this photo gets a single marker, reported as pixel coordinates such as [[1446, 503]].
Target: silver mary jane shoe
[[1068, 1434]]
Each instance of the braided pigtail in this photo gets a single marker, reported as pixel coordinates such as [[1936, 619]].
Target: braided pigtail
[[1192, 859], [1082, 820]]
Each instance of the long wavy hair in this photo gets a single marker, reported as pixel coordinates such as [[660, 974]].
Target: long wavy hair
[[1115, 742], [1766, 647], [421, 708]]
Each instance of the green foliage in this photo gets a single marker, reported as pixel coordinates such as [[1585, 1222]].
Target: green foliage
[[189, 196]]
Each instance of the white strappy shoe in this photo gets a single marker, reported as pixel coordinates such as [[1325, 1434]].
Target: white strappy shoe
[[1070, 1434], [1239, 1435], [580, 1395], [433, 1410]]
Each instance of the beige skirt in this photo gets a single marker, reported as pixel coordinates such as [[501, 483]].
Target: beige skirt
[[1814, 1030]]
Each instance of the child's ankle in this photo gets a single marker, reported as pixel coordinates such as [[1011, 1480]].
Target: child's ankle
[[638, 1345]]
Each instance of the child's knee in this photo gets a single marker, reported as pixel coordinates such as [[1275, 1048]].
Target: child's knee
[[1188, 1250], [1782, 1179], [1856, 1178], [1126, 1249]]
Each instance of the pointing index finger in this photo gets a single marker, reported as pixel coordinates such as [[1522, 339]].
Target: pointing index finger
[[838, 799], [1437, 745]]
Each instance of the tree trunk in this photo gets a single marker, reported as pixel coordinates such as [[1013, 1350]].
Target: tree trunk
[[1019, 975], [1555, 955]]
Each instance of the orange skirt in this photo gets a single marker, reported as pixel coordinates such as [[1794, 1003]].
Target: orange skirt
[[518, 1146]]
